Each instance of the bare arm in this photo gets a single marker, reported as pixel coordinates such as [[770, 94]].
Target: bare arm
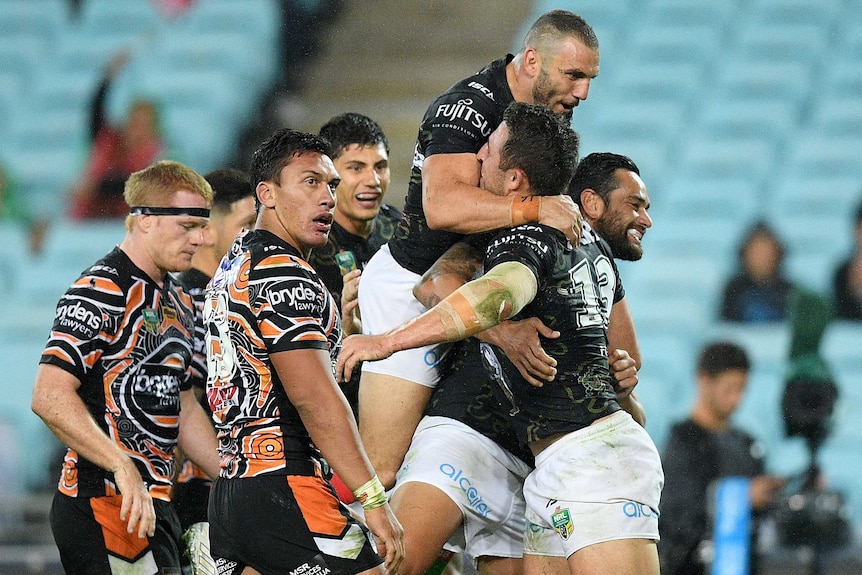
[[477, 305], [56, 401], [350, 321], [306, 375], [518, 340], [452, 201], [624, 358], [197, 437]]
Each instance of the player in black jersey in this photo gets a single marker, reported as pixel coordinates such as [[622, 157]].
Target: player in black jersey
[[232, 211], [534, 268], [553, 69], [114, 384], [362, 222]]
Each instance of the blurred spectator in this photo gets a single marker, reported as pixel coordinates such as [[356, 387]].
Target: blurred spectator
[[847, 281], [13, 211], [702, 449], [117, 151], [759, 292]]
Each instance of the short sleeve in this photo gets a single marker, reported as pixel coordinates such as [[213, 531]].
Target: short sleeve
[[84, 323], [459, 122], [528, 244], [295, 312]]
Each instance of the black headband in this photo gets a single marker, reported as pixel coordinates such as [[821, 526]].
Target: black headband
[[150, 211]]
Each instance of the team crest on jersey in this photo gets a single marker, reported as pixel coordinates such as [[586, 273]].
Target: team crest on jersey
[[151, 320], [562, 522]]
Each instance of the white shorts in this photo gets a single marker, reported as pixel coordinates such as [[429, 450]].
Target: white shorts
[[597, 484], [385, 302], [483, 479]]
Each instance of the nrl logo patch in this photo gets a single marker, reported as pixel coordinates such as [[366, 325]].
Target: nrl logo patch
[[151, 320], [562, 522]]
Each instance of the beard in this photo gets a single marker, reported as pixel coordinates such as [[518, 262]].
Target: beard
[[615, 232], [543, 92]]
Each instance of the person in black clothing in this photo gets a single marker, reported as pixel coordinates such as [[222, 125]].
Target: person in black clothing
[[847, 281], [760, 292], [702, 449], [559, 59], [363, 223]]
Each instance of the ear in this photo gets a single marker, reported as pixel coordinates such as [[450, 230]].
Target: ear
[[516, 181], [209, 234], [592, 204], [532, 62], [265, 194]]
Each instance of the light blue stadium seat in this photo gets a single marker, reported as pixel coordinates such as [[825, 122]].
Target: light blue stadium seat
[[760, 410], [40, 19], [824, 196], [765, 40], [119, 19], [751, 78], [650, 81], [259, 20], [837, 117], [638, 120], [843, 76], [742, 118], [708, 157], [813, 155], [20, 360], [822, 13], [21, 55], [685, 13], [673, 43]]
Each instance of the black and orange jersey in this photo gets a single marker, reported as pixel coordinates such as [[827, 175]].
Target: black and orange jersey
[[264, 299], [129, 342], [576, 290]]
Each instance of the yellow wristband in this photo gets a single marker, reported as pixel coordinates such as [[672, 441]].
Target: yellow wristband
[[525, 209], [371, 494]]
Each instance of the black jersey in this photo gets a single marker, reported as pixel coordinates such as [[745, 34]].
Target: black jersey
[[129, 342], [576, 290], [466, 393], [341, 243], [459, 121]]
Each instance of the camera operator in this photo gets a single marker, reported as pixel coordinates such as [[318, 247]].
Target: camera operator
[[702, 449]]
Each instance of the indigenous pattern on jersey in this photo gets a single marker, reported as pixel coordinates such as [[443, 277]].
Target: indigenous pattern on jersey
[[576, 290], [467, 394], [342, 249], [459, 121], [129, 342], [264, 299]]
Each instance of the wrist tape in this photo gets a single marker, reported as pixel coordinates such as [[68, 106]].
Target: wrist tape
[[371, 494]]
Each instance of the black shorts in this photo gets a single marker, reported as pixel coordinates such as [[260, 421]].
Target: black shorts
[[281, 524], [92, 539], [190, 500]]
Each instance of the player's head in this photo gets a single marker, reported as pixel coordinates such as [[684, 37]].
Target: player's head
[[278, 150], [233, 207], [532, 143], [722, 372], [155, 186], [169, 208], [295, 180], [614, 200], [560, 57], [361, 156]]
